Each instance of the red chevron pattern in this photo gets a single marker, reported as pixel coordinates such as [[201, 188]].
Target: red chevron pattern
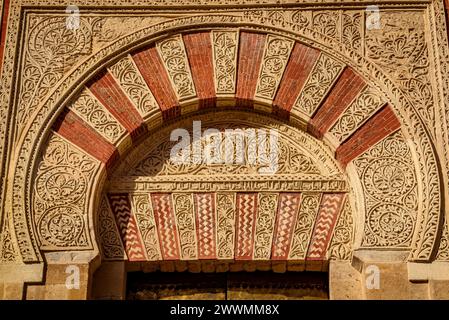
[[126, 223], [330, 207], [166, 225], [288, 206], [205, 225], [246, 224]]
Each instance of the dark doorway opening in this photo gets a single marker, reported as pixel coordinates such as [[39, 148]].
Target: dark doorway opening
[[227, 286]]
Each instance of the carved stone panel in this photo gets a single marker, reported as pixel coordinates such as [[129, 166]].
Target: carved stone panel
[[391, 193], [341, 246], [275, 57], [90, 110], [50, 184], [225, 225], [304, 225], [185, 220], [368, 102], [132, 82], [147, 225], [60, 196], [111, 245], [400, 48], [320, 81], [225, 47], [266, 218], [174, 57]]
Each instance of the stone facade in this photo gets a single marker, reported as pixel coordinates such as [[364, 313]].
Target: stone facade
[[359, 98]]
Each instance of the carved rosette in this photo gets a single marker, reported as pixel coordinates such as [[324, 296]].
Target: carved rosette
[[60, 196], [224, 52], [320, 81], [391, 193], [174, 57], [90, 110], [428, 224], [275, 57], [133, 84]]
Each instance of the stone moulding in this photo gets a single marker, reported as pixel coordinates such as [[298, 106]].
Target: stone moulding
[[32, 139]]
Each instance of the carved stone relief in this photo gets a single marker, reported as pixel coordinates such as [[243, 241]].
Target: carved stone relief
[[91, 111], [60, 196], [225, 45], [298, 152], [400, 48], [225, 225], [342, 241], [365, 105], [275, 57], [52, 49], [135, 86], [174, 56], [443, 250], [308, 211], [147, 224], [46, 59], [266, 218], [319, 20], [391, 193], [185, 219], [320, 81], [111, 245], [8, 250]]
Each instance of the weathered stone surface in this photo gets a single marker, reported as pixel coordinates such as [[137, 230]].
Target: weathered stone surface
[[360, 107]]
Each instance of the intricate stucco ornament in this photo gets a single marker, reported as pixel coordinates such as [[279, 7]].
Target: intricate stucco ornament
[[395, 186]]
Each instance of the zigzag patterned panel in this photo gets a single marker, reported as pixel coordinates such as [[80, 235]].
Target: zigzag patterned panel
[[288, 207], [205, 224], [330, 208], [126, 223], [110, 244], [246, 223], [166, 225]]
